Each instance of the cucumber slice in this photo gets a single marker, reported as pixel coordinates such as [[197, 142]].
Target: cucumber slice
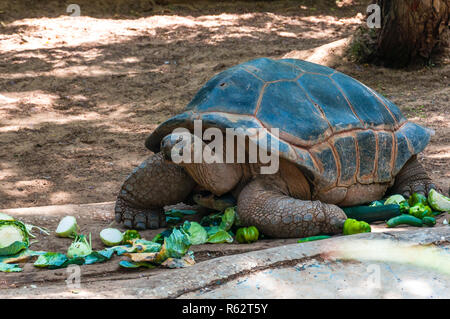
[[111, 236], [67, 227], [394, 199], [438, 201]]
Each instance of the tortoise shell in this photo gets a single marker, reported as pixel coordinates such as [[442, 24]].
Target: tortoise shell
[[336, 129]]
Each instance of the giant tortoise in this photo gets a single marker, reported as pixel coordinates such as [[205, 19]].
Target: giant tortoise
[[340, 143]]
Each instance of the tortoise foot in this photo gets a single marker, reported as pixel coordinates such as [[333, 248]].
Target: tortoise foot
[[138, 218], [413, 179], [420, 187]]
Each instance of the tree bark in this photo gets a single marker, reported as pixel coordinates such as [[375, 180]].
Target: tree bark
[[411, 31]]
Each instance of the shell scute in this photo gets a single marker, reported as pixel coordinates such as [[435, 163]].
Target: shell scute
[[385, 144], [367, 154], [325, 156], [331, 101], [270, 70], [234, 92], [368, 108], [280, 109], [403, 153], [346, 149]]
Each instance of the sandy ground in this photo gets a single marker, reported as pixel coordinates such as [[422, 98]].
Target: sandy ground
[[79, 95]]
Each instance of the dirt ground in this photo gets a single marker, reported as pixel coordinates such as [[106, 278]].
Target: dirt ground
[[79, 95]]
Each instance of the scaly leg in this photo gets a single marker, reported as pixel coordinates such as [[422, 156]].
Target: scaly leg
[[274, 213], [412, 179], [154, 184]]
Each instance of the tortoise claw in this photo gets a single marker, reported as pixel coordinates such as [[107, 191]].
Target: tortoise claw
[[138, 218], [128, 223]]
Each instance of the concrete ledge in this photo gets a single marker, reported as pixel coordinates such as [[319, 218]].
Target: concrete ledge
[[177, 282]]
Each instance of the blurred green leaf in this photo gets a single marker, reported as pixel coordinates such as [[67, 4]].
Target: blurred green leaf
[[9, 267], [197, 234], [219, 237], [175, 246]]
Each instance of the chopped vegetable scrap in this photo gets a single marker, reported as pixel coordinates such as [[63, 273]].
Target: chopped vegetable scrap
[[130, 235], [175, 216], [313, 238], [438, 201], [80, 247], [111, 236], [14, 237], [353, 226], [67, 227]]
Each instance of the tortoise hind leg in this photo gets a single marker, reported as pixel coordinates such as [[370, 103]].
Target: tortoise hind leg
[[276, 214], [412, 179], [154, 184]]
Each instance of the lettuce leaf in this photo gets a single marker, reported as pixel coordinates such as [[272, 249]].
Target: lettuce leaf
[[197, 234]]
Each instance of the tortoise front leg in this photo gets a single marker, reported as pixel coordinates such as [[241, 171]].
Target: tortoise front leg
[[154, 184], [274, 213], [412, 179]]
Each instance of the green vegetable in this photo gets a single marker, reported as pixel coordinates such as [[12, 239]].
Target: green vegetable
[[376, 203], [416, 199], [51, 260], [9, 267], [5, 217], [247, 235], [13, 249], [41, 229], [220, 237], [420, 211], [394, 199], [404, 219], [228, 218], [212, 220], [353, 226], [29, 227], [404, 207], [160, 237], [129, 235], [438, 201], [94, 257], [372, 214], [67, 227], [312, 238], [197, 234], [144, 246], [111, 236], [109, 252], [175, 246], [429, 221], [80, 247], [175, 216], [21, 256], [132, 264], [13, 237]]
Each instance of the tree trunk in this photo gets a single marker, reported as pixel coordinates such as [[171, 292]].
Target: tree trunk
[[411, 30]]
